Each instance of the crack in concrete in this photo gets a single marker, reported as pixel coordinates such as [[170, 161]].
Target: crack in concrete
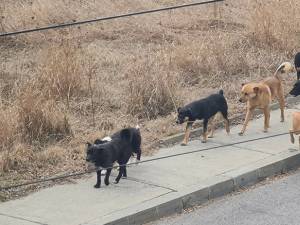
[[151, 184], [23, 219]]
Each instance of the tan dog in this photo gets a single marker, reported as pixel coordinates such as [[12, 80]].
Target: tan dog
[[259, 95], [296, 127]]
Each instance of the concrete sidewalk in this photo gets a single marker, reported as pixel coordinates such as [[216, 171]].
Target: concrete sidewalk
[[167, 186]]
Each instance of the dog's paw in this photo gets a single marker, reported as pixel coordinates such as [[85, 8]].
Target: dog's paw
[[97, 186], [183, 144], [106, 183], [116, 182], [265, 131], [203, 141], [241, 133]]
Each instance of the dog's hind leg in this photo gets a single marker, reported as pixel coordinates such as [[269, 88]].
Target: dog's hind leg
[[225, 116], [292, 136], [121, 172], [98, 184], [212, 127], [281, 103], [187, 133], [205, 122], [125, 172], [267, 119], [106, 180]]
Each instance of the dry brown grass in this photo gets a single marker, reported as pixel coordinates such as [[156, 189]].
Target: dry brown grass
[[39, 119], [81, 83], [153, 88], [273, 24]]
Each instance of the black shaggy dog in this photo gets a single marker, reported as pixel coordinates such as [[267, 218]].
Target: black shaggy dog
[[296, 89], [119, 149], [204, 109], [297, 64]]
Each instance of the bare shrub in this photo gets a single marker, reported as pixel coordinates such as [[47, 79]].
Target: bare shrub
[[152, 90], [40, 119]]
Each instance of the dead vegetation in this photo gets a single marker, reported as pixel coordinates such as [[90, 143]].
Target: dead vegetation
[[61, 88]]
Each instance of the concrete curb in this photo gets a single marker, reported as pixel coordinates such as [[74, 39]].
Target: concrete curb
[[223, 184], [177, 138]]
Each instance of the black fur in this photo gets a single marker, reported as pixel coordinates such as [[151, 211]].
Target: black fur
[[296, 89], [119, 149], [297, 64], [203, 109]]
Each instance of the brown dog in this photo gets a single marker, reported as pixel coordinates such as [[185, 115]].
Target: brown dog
[[296, 127], [259, 95]]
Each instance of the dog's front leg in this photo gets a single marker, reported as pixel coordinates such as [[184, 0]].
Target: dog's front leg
[[106, 180], [247, 118], [98, 184], [205, 122], [187, 133]]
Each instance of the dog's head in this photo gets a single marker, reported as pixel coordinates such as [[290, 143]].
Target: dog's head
[[183, 114], [296, 89], [92, 152], [248, 92]]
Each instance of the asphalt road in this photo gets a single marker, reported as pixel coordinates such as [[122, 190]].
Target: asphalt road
[[275, 203]]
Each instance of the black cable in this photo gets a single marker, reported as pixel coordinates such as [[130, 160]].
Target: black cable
[[106, 18], [144, 161]]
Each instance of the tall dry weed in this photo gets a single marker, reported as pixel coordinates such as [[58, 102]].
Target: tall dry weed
[[40, 119], [153, 88], [8, 127], [275, 25], [61, 72]]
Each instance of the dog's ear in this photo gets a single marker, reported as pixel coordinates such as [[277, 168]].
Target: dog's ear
[[88, 144], [178, 109], [126, 134], [256, 89], [243, 84]]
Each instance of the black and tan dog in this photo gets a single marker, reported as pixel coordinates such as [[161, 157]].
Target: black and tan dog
[[259, 95], [118, 149], [203, 109]]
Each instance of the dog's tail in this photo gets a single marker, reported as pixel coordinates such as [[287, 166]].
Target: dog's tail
[[221, 92], [285, 67]]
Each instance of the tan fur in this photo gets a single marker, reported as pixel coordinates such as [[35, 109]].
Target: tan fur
[[296, 126], [257, 95], [187, 134], [260, 95]]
